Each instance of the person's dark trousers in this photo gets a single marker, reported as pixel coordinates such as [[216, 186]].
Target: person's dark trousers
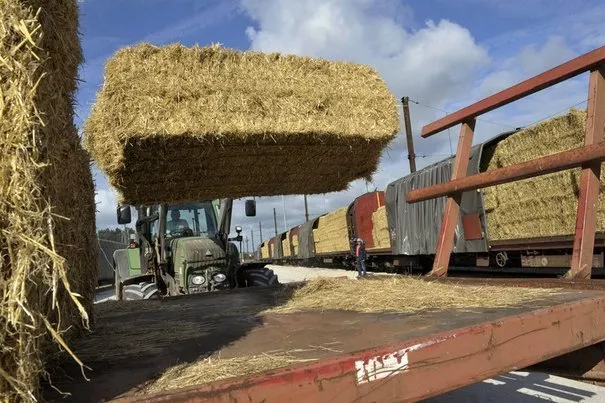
[[361, 267]]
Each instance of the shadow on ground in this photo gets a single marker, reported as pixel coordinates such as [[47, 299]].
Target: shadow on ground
[[135, 341], [518, 387]]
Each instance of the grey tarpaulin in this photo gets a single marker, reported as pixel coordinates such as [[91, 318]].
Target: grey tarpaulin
[[414, 228], [306, 243]]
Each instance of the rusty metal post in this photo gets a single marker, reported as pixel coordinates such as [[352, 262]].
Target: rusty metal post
[[306, 210], [445, 242], [408, 133], [586, 219]]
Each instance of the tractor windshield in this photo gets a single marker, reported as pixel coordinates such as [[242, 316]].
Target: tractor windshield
[[191, 219]]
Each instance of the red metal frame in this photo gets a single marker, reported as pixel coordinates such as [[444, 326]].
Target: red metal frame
[[588, 157], [419, 368]]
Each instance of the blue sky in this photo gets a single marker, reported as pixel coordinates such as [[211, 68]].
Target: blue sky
[[442, 53]]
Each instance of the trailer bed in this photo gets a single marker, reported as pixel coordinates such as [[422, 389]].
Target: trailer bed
[[376, 357]]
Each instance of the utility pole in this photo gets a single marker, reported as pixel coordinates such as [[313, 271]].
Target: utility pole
[[260, 230], [275, 220], [408, 133], [247, 246], [252, 236], [283, 200], [306, 210]]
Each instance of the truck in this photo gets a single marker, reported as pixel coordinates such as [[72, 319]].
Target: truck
[[184, 249]]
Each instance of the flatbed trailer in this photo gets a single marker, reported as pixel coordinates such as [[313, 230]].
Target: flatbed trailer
[[357, 356]]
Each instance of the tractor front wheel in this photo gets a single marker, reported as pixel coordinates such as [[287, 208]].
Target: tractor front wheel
[[143, 290], [260, 277]]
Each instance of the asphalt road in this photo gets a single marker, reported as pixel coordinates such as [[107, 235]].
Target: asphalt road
[[518, 386]]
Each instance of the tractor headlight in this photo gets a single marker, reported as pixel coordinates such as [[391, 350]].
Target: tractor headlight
[[219, 277], [198, 279]]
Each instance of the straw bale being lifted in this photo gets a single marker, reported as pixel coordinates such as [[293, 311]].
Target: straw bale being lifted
[[380, 229], [546, 205], [332, 234], [47, 210], [174, 123]]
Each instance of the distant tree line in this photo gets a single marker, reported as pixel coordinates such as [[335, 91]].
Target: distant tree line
[[115, 234]]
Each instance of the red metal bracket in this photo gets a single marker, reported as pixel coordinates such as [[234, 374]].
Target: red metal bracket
[[588, 157], [586, 218]]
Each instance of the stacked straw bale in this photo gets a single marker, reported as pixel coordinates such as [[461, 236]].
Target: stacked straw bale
[[295, 244], [331, 234], [264, 250], [47, 211], [285, 245], [211, 122], [380, 229], [543, 206]]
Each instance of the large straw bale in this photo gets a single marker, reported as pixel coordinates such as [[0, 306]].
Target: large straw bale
[[47, 211], [380, 229], [295, 244], [332, 234], [543, 206], [174, 123], [264, 250], [286, 246]]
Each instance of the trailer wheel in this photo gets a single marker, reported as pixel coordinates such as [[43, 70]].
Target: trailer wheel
[[143, 290], [260, 277]]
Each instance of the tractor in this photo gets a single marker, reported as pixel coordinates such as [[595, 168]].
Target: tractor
[[183, 249]]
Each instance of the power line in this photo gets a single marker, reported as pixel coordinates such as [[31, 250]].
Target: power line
[[447, 112]]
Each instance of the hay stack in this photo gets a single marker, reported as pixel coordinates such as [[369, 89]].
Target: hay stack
[[380, 229], [47, 210], [332, 234], [264, 250], [212, 122], [543, 206], [285, 245]]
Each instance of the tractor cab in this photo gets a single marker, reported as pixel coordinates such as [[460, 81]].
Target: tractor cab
[[180, 248]]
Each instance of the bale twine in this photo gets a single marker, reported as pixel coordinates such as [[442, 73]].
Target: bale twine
[[332, 234], [48, 255], [380, 229], [543, 206], [233, 118]]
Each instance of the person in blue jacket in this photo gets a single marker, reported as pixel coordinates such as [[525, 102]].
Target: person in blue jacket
[[360, 255]]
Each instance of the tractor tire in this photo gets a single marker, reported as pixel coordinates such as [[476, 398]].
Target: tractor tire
[[261, 277], [140, 291]]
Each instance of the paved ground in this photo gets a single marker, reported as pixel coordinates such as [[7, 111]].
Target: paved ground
[[522, 387]]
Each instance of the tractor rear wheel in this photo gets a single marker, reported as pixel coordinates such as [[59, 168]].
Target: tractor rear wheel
[[143, 290], [261, 277]]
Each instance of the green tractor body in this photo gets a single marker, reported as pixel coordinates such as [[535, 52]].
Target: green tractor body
[[183, 249]]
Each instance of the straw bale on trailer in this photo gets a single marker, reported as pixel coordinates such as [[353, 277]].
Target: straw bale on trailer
[[211, 122], [332, 234], [264, 250], [543, 206], [295, 244], [285, 245], [380, 229], [47, 210]]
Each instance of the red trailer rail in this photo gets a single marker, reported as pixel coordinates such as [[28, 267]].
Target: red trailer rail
[[588, 157], [431, 354]]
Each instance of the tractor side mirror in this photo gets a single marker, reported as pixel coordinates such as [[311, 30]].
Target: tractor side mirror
[[250, 208], [123, 213]]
